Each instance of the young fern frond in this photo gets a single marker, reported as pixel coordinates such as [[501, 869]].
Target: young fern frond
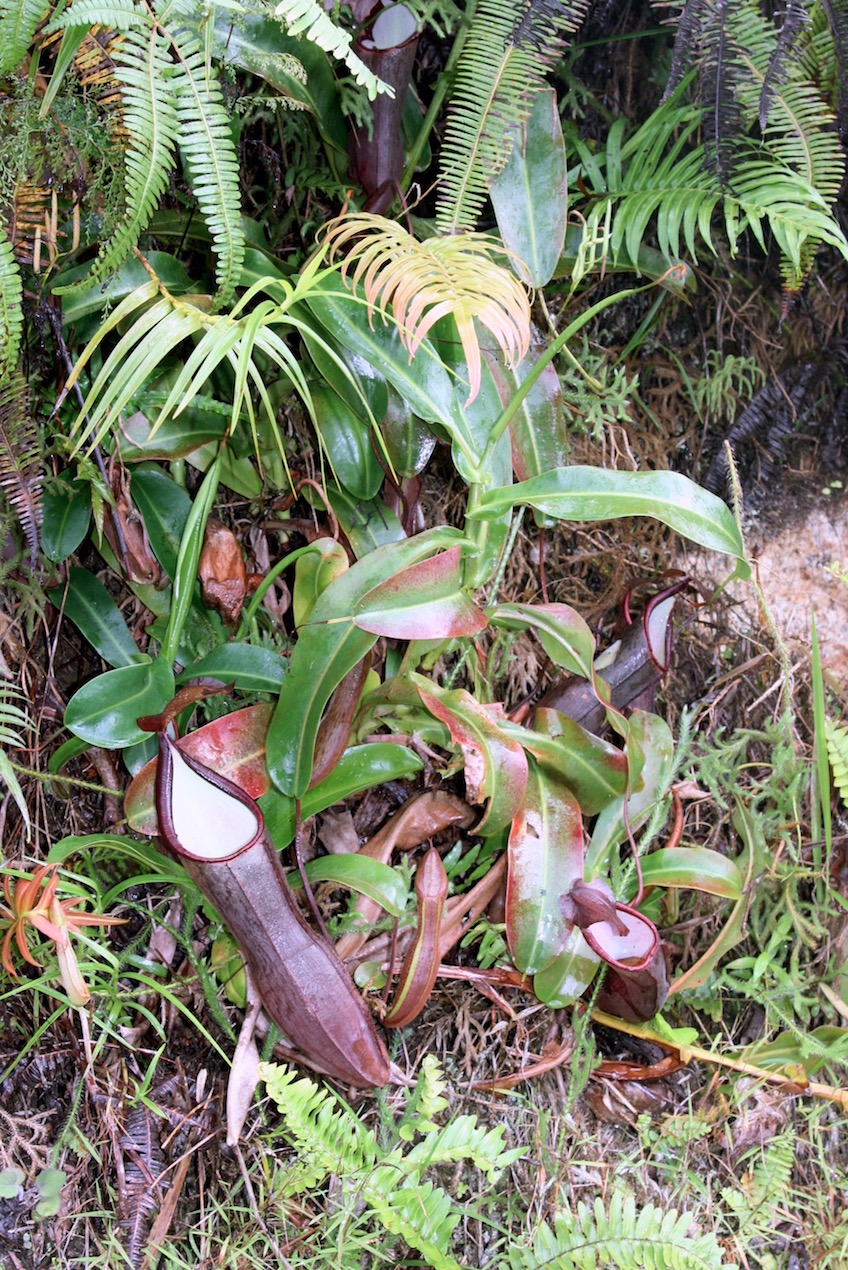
[[509, 48], [20, 458], [19, 21], [307, 17], [11, 310], [329, 1138], [620, 1237]]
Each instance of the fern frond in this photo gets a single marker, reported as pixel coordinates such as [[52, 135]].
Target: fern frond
[[114, 15], [425, 1101], [209, 152], [836, 12], [307, 17], [837, 752], [144, 71], [795, 17], [653, 175], [20, 459], [11, 307], [12, 718], [422, 1214], [322, 1128], [425, 281], [621, 1237], [509, 48], [462, 1139], [19, 21], [690, 24]]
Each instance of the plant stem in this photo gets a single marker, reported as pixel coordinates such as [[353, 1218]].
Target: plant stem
[[64, 780]]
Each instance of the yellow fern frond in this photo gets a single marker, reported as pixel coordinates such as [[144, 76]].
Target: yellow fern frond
[[422, 282]]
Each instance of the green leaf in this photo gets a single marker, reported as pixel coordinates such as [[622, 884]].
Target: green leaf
[[174, 438], [378, 881], [695, 867], [104, 711], [366, 525], [320, 564], [409, 442], [327, 648], [495, 764], [567, 977], [90, 606], [533, 223], [347, 441], [78, 303], [562, 632], [248, 668], [359, 768], [594, 770], [425, 601], [164, 507], [423, 382], [66, 515], [650, 736], [545, 860], [592, 494]]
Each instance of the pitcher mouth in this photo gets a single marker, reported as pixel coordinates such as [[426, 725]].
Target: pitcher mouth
[[201, 813]]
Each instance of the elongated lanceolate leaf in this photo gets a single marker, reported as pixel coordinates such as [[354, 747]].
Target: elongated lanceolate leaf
[[495, 765], [698, 868], [359, 768], [104, 711], [248, 667], [90, 606], [425, 601], [327, 648], [589, 494], [66, 515], [545, 860], [380, 882], [532, 223]]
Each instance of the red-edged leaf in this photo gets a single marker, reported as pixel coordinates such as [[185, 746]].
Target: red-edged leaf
[[425, 601], [562, 632], [495, 766], [593, 769], [545, 860], [233, 746]]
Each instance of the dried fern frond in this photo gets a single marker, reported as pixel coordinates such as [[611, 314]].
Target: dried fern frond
[[20, 458], [422, 282]]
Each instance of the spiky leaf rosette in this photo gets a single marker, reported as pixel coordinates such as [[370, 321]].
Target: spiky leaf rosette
[[20, 458], [422, 282]]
